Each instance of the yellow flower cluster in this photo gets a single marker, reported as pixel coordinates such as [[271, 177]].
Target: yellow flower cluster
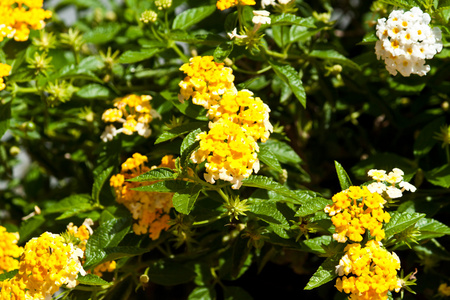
[[369, 272], [47, 263], [9, 251], [206, 81], [149, 209], [356, 209], [17, 17], [230, 153], [239, 120], [134, 112], [5, 70], [224, 4], [83, 233]]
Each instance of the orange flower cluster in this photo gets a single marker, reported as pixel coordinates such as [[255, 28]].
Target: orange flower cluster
[[355, 210], [149, 209], [224, 4], [17, 17], [369, 272], [9, 251], [83, 233], [239, 120]]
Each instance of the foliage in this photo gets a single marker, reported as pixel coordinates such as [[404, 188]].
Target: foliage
[[336, 113]]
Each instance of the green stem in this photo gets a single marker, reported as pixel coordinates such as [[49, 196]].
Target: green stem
[[166, 19], [179, 52], [223, 195], [204, 222], [155, 33], [27, 89], [77, 57], [240, 17], [236, 68]]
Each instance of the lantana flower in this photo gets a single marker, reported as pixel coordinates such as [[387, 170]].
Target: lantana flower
[[406, 40]]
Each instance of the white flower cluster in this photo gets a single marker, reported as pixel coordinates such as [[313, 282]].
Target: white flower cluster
[[406, 40], [387, 183], [261, 17]]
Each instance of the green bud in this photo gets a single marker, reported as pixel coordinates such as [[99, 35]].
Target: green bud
[[149, 16], [163, 4], [14, 151]]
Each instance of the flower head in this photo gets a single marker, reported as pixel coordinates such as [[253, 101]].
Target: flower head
[[261, 17], [149, 209], [47, 263], [356, 210], [369, 272], [224, 4], [5, 70], [406, 40], [18, 17], [134, 112], [9, 251]]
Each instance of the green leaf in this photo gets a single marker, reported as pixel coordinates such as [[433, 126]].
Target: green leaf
[[187, 107], [75, 210], [189, 144], [223, 51], [334, 56], [91, 63], [169, 273], [5, 115], [202, 293], [184, 200], [180, 130], [236, 293], [102, 34], [325, 273], [106, 162], [267, 211], [302, 33], [290, 76], [264, 182], [131, 57], [399, 3], [107, 235], [315, 245], [69, 202], [155, 174], [312, 206], [430, 228], [369, 39], [400, 222], [28, 227], [95, 91], [75, 72], [8, 275], [99, 182], [425, 140], [115, 253], [344, 180], [288, 19], [283, 152], [439, 176], [268, 157], [91, 279], [168, 186], [192, 16]]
